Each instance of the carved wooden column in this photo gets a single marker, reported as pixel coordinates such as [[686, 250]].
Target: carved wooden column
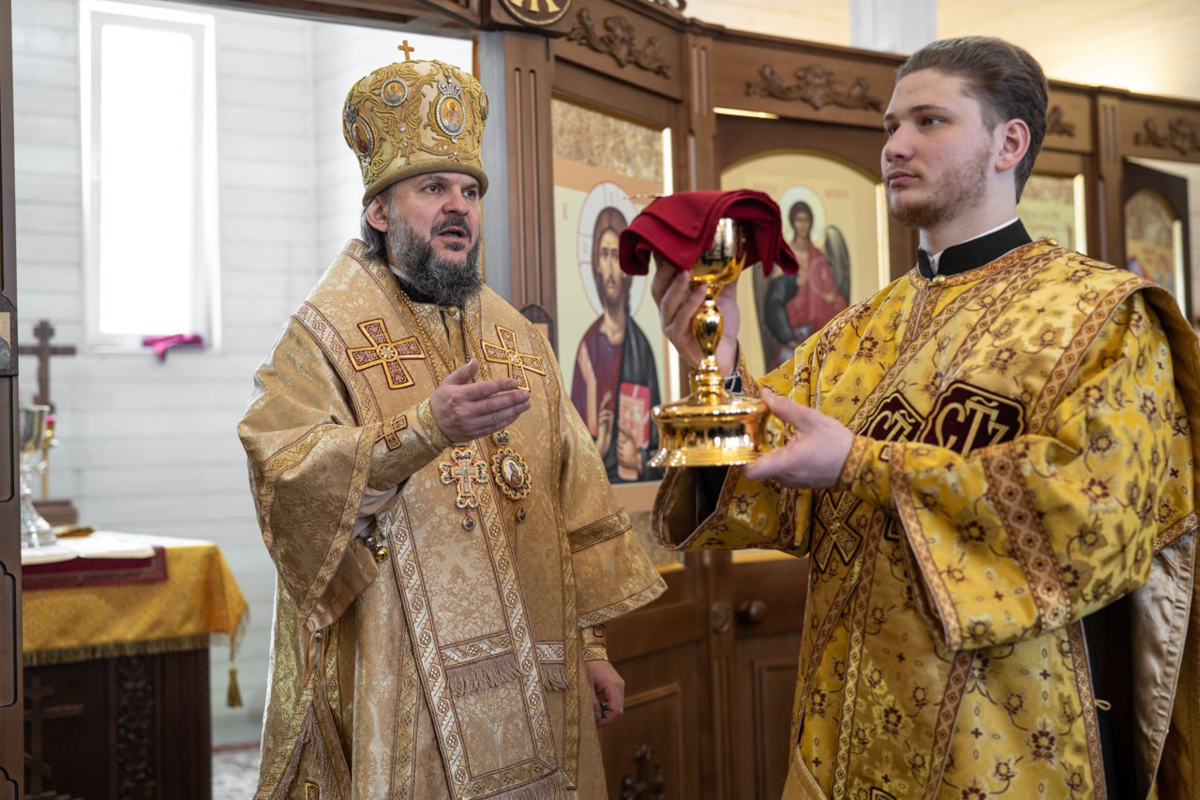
[[1108, 193], [529, 76], [12, 716], [699, 160], [517, 71]]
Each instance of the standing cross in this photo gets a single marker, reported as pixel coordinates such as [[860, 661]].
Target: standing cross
[[407, 48], [44, 332], [465, 472]]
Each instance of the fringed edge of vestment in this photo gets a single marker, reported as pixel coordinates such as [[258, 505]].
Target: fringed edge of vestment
[[550, 787], [487, 673], [501, 670]]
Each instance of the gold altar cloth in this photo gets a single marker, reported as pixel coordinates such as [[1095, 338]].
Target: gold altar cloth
[[200, 598]]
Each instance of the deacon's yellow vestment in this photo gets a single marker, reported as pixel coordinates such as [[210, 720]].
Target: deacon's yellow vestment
[[453, 668], [1022, 459]]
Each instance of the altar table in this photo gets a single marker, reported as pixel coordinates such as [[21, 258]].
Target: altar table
[[117, 667]]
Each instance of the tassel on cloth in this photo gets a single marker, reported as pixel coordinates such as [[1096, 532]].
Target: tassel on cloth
[[233, 698]]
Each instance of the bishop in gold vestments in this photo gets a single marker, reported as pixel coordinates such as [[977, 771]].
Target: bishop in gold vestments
[[1022, 459], [433, 647]]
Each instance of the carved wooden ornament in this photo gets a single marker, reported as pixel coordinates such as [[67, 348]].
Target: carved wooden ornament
[[1181, 135], [619, 41], [814, 85]]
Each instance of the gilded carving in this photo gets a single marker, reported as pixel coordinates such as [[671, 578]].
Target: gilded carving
[[816, 86], [1180, 135], [618, 42], [1057, 125], [538, 13]]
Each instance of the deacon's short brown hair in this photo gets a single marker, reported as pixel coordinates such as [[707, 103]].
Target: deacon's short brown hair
[[1007, 81]]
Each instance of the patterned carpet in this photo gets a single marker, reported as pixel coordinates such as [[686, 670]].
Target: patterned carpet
[[235, 771]]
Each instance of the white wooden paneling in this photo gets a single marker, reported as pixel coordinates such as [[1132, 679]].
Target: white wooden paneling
[[149, 446]]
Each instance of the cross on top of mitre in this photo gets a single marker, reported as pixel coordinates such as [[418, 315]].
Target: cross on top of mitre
[[407, 48]]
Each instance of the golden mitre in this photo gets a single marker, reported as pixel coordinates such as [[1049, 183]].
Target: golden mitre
[[412, 118]]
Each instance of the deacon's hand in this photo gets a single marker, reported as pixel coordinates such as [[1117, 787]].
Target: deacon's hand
[[678, 299], [814, 456], [466, 411], [608, 691]]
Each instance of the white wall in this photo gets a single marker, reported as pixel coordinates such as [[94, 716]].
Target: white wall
[[150, 447]]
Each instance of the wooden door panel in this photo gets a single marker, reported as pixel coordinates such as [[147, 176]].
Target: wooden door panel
[[766, 680], [768, 595], [655, 749]]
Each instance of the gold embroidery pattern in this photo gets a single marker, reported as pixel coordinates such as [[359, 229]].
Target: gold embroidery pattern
[[551, 652], [508, 353], [571, 646], [1021, 260], [838, 533], [408, 698], [326, 335], [858, 451], [823, 634], [425, 649], [984, 322], [635, 601], [1176, 532], [1052, 392], [907, 510], [1087, 702], [1030, 542], [383, 352], [476, 650], [518, 626], [854, 667], [943, 733], [389, 432], [461, 782], [284, 461], [600, 531]]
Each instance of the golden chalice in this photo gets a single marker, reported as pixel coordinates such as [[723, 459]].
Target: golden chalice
[[711, 427]]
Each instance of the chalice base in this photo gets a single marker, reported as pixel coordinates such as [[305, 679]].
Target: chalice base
[[35, 531], [701, 432]]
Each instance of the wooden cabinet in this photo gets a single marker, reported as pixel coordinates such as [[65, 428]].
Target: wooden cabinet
[[710, 673], [128, 727]]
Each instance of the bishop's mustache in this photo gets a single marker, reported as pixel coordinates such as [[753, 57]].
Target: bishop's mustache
[[453, 222]]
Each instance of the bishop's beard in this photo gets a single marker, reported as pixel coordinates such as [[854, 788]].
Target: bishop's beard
[[439, 279]]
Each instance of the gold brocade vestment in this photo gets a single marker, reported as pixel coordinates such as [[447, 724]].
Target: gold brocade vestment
[[455, 667], [1022, 459]]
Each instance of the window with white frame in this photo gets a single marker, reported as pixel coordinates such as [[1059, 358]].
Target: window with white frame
[[149, 173]]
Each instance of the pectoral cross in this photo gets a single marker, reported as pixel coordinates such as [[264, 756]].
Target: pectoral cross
[[44, 332], [509, 354], [384, 352], [407, 48], [466, 472]]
